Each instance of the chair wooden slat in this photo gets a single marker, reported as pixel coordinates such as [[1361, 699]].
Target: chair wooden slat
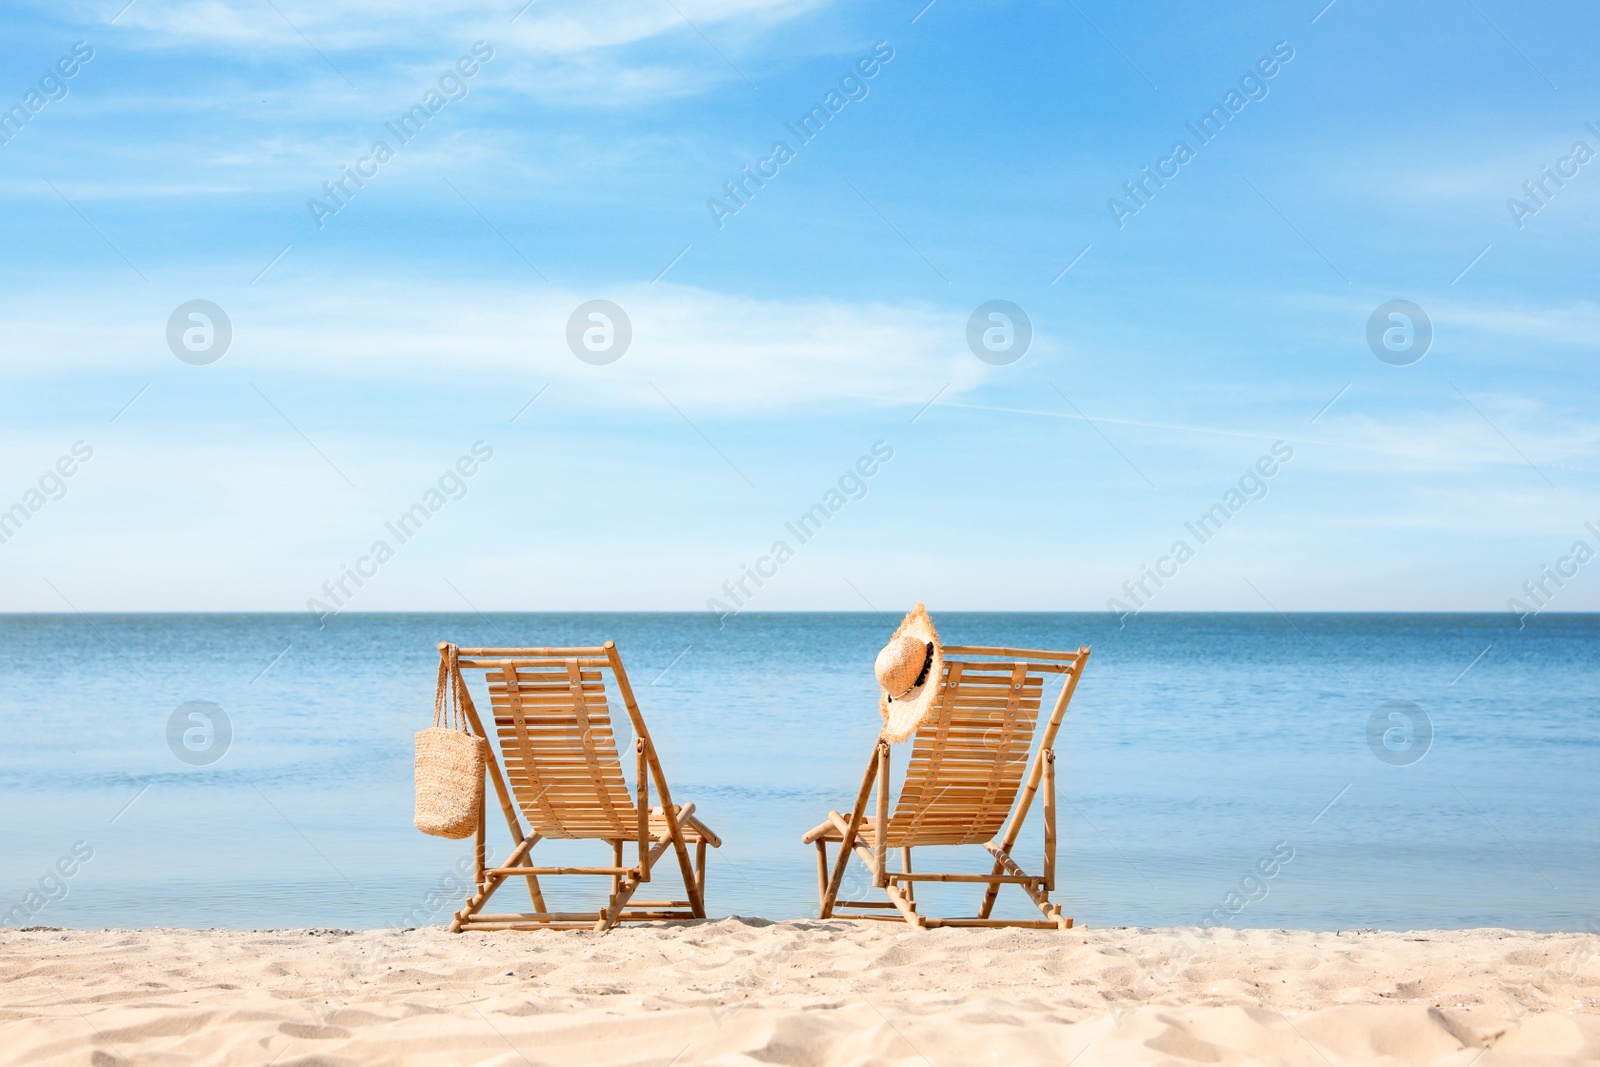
[[559, 736], [968, 756]]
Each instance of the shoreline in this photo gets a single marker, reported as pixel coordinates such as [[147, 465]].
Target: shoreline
[[742, 990]]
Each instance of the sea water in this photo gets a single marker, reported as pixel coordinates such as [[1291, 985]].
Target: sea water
[[1323, 771]]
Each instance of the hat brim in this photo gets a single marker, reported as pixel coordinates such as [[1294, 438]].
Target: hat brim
[[903, 714]]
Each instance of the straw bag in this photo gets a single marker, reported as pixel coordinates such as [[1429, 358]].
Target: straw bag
[[450, 761]]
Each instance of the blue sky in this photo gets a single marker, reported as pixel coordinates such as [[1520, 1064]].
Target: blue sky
[[770, 353]]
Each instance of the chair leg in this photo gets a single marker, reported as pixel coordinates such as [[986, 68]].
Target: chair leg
[[473, 905], [480, 843], [1041, 898], [848, 829], [690, 881], [864, 850], [1050, 822], [487, 887], [612, 914], [619, 900], [824, 905], [992, 892], [906, 907], [535, 893]]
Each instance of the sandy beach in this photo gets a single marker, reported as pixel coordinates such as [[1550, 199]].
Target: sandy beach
[[803, 993]]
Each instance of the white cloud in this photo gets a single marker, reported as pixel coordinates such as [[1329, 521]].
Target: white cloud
[[584, 53], [553, 27], [699, 348], [1574, 324]]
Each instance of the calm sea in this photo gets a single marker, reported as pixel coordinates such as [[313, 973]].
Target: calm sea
[[1420, 770]]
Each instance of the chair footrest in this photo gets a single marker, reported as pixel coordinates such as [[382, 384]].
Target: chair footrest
[[573, 920], [493, 927], [1007, 879], [533, 872], [932, 923], [1026, 924]]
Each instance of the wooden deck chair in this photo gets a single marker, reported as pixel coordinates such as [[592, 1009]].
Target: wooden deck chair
[[966, 769], [553, 729]]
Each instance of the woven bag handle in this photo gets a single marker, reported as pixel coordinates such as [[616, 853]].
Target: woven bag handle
[[440, 713], [458, 692], [450, 695]]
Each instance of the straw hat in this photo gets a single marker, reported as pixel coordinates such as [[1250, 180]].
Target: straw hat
[[909, 669]]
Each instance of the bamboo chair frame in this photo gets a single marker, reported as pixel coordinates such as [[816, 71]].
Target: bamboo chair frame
[[982, 796], [590, 802]]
